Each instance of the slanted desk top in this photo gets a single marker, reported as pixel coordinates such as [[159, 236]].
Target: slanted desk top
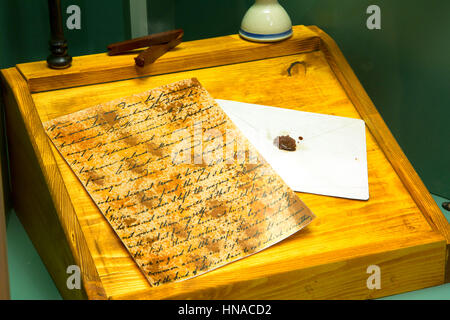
[[400, 228]]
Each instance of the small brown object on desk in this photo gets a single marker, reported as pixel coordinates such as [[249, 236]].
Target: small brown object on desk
[[158, 44], [154, 52], [400, 228]]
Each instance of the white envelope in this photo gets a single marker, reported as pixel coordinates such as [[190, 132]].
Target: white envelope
[[330, 160]]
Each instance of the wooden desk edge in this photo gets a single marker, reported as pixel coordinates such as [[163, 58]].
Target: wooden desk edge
[[385, 139], [99, 68], [18, 87], [36, 152], [204, 288]]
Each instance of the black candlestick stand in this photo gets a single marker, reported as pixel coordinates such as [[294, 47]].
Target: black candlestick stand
[[58, 59]]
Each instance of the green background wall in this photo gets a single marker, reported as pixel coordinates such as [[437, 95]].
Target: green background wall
[[25, 28], [405, 66]]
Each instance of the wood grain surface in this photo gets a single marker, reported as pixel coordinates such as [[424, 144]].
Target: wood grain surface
[[397, 228]]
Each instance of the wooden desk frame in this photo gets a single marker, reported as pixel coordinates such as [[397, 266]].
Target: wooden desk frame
[[43, 204]]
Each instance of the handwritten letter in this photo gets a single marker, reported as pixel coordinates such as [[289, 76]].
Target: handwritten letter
[[180, 185]]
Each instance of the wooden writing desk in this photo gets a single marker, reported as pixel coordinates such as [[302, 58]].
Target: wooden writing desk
[[400, 228]]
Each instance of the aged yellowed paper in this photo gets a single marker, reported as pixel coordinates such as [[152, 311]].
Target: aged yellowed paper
[[177, 181]]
